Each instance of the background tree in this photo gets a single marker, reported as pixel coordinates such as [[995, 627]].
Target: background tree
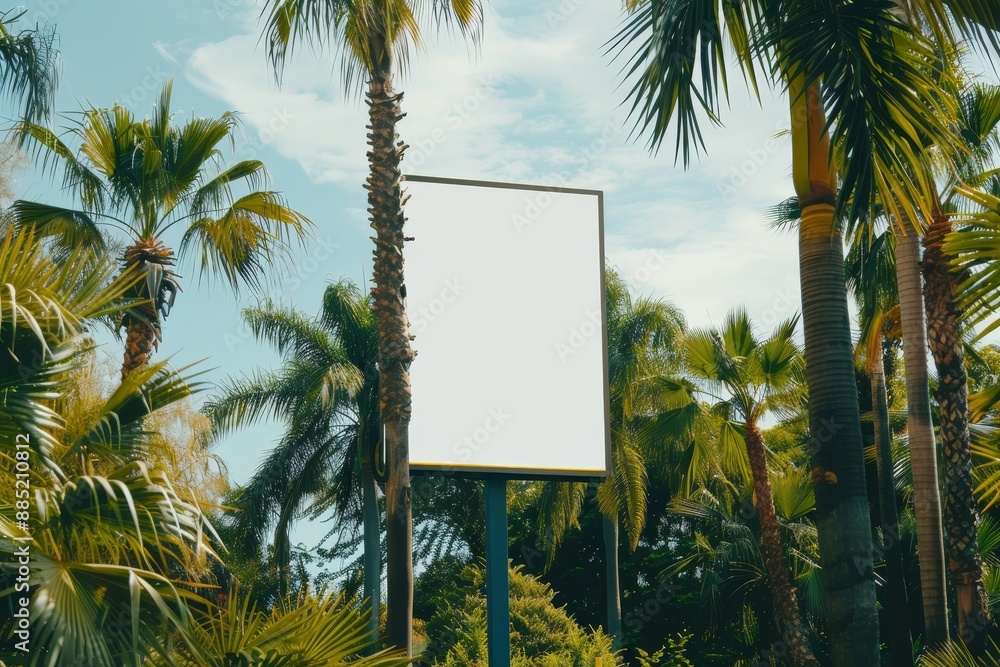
[[869, 64], [755, 376], [326, 394], [871, 276], [145, 177], [29, 67], [979, 116], [374, 40]]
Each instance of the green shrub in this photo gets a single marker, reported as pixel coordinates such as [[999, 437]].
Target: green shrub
[[542, 635]]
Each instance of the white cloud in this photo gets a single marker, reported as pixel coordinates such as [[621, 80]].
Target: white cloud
[[541, 102]]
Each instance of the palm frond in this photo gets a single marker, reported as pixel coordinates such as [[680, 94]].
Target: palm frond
[[252, 234], [29, 67]]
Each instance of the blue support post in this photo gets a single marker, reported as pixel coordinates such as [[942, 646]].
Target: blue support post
[[497, 577]]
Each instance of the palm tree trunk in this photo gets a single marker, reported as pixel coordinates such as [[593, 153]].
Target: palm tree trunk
[[783, 594], [149, 257], [923, 453], [373, 552], [385, 204], [140, 341], [961, 515], [901, 647], [612, 584], [842, 520]]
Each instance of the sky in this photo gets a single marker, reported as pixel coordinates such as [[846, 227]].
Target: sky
[[539, 101]]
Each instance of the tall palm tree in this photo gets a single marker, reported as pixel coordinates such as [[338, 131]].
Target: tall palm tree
[[29, 67], [920, 435], [979, 118], [326, 393], [374, 39], [851, 71], [143, 178], [642, 346], [870, 268], [755, 376], [871, 276]]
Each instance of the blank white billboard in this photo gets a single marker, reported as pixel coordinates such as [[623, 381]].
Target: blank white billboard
[[505, 294]]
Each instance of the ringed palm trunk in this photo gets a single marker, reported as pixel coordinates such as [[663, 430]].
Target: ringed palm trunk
[[842, 519], [901, 646], [373, 552], [385, 204], [783, 594], [612, 584], [961, 515], [923, 453]]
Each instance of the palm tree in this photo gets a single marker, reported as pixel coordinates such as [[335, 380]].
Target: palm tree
[[920, 435], [755, 376], [145, 177], [314, 630], [871, 276], [642, 345], [724, 551], [29, 67], [109, 539], [326, 392], [44, 304], [869, 64], [374, 39], [979, 117]]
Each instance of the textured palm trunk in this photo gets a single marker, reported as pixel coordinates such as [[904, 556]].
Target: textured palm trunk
[[140, 341], [836, 448], [373, 552], [142, 335], [901, 647], [385, 205], [783, 594], [961, 515], [612, 584], [920, 430]]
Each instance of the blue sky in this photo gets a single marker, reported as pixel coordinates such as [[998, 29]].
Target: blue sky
[[538, 102]]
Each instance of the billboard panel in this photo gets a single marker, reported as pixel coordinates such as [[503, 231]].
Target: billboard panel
[[505, 295]]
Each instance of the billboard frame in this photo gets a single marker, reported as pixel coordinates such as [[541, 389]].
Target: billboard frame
[[514, 473]]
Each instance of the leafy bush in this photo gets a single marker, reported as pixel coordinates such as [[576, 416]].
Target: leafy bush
[[542, 635]]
